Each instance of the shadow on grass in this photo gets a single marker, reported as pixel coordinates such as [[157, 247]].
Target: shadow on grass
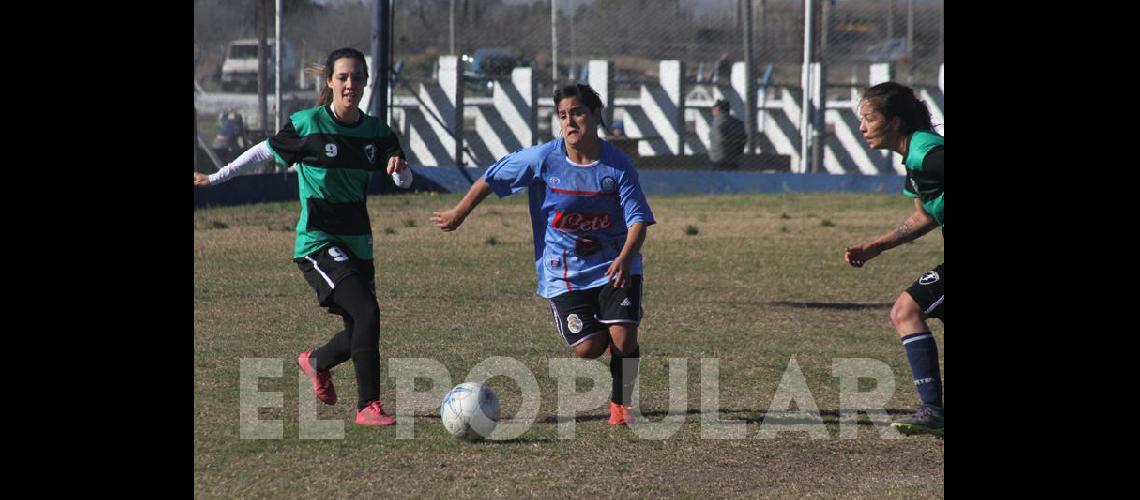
[[746, 415], [832, 305], [523, 440]]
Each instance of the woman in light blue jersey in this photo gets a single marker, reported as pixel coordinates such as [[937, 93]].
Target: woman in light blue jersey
[[589, 219]]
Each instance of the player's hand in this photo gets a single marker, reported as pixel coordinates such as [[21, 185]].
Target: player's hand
[[201, 180], [618, 272], [396, 164], [449, 220], [857, 255]]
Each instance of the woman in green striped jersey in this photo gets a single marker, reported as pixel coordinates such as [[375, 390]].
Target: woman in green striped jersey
[[336, 148], [892, 118]]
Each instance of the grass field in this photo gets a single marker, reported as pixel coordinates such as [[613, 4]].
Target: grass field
[[748, 281]]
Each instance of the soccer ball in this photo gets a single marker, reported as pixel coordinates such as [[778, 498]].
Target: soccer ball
[[470, 411]]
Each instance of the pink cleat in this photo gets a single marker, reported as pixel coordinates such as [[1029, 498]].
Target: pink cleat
[[373, 414], [620, 414], [322, 380]]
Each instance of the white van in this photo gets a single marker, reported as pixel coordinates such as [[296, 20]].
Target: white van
[[239, 71]]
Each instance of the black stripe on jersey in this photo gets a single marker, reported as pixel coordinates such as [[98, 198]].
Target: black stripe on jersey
[[930, 181], [348, 152], [934, 163], [287, 144], [337, 218]]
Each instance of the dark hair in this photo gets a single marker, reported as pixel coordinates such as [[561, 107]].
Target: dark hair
[[326, 72], [897, 100], [721, 104], [584, 93]]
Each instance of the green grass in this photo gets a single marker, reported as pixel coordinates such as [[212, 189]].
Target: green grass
[[763, 283]]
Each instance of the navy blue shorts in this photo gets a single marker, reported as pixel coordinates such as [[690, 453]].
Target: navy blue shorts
[[325, 268], [581, 314], [930, 292]]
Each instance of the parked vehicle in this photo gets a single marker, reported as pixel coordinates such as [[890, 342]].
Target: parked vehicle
[[239, 71]]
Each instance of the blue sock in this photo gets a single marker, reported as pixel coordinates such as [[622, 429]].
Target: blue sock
[[922, 353]]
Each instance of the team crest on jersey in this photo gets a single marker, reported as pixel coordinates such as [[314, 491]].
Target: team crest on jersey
[[370, 152], [555, 262], [337, 254], [609, 184], [554, 181], [928, 278], [330, 150], [574, 323]]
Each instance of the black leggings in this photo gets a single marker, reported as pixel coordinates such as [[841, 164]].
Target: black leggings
[[360, 339]]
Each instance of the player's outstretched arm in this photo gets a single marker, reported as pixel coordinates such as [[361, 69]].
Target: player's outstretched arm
[[450, 220], [201, 180], [253, 156], [918, 224]]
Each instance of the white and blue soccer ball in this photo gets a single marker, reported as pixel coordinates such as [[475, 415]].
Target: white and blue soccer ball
[[470, 411]]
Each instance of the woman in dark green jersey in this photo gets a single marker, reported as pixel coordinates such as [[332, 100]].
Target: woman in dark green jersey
[[892, 118], [337, 148]]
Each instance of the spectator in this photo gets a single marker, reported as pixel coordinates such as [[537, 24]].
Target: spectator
[[618, 129], [230, 139], [726, 139]]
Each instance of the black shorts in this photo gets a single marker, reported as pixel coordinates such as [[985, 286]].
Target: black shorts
[[581, 314], [326, 267], [930, 292]]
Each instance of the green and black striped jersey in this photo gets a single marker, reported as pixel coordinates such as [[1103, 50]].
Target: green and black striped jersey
[[335, 164], [925, 174]]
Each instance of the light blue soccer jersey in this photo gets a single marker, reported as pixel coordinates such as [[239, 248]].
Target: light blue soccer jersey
[[580, 214]]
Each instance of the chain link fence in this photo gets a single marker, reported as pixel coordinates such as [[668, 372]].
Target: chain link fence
[[558, 38]]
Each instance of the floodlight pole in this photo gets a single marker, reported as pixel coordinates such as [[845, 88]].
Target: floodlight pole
[[277, 63], [554, 41], [749, 82], [262, 105], [806, 79], [381, 17]]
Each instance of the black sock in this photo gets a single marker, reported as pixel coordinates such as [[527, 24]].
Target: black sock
[[366, 363], [355, 297], [623, 372], [336, 351]]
